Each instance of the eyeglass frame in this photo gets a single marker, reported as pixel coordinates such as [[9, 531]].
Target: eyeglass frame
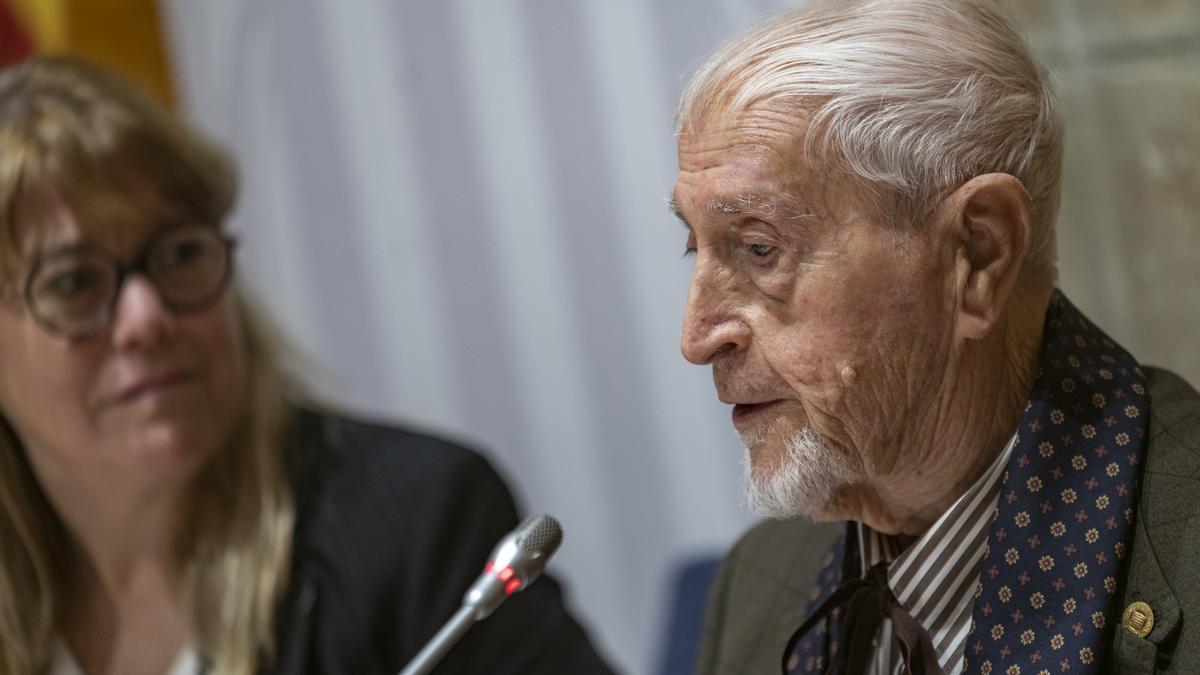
[[139, 265]]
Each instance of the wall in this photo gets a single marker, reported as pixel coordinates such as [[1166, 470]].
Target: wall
[[1129, 230]]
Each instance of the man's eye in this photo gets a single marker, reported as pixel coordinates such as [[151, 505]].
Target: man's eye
[[689, 249], [761, 250]]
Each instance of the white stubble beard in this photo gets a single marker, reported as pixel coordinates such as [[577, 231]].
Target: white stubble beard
[[803, 482]]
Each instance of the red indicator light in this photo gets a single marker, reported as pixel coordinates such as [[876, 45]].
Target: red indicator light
[[512, 586], [487, 569], [505, 574]]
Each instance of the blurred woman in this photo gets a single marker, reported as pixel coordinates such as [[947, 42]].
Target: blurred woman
[[163, 507]]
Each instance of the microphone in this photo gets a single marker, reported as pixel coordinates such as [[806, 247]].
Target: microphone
[[516, 561]]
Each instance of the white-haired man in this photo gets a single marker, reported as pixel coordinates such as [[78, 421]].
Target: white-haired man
[[870, 191]]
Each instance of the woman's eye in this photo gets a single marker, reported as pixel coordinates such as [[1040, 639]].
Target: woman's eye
[[181, 253], [761, 250], [71, 283]]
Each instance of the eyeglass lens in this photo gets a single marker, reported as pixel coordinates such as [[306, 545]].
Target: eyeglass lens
[[75, 292]]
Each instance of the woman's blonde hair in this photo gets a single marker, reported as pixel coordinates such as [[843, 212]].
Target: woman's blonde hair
[[110, 153]]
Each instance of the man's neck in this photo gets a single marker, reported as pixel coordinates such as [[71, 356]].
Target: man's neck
[[963, 430]]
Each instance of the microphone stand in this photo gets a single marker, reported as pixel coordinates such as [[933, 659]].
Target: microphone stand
[[436, 648]]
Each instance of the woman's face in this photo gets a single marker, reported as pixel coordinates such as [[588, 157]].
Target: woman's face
[[140, 406]]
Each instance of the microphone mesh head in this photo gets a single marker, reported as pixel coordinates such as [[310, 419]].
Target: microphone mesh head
[[540, 534]]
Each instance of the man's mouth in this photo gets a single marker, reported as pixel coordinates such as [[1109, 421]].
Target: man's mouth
[[747, 413]]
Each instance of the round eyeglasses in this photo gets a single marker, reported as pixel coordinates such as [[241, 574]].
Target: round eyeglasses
[[73, 291]]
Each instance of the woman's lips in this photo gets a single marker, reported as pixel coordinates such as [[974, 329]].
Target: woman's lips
[[152, 385], [745, 413]]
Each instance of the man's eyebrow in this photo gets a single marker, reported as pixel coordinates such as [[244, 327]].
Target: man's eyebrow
[[726, 207], [748, 204]]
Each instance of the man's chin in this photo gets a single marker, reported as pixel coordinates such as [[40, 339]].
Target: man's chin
[[756, 439], [798, 479], [765, 502]]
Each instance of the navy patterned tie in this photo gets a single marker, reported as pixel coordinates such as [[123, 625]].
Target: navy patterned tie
[[812, 651], [1050, 580], [1051, 577]]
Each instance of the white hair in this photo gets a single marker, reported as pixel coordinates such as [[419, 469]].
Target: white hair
[[803, 482], [912, 98]]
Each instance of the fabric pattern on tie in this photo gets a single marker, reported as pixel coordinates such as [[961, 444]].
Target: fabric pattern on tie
[[1050, 582], [809, 652]]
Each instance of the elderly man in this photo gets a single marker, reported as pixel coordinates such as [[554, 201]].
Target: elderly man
[[870, 191]]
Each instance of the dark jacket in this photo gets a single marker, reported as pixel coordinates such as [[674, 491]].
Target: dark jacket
[[763, 586], [392, 527]]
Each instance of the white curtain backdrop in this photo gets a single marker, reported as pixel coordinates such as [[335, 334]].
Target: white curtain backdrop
[[456, 208]]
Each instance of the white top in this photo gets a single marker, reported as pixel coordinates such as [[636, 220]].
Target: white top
[[187, 663]]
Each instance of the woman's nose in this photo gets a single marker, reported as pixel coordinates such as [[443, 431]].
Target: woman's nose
[[141, 317]]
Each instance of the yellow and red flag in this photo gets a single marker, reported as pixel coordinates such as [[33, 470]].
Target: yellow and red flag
[[124, 35], [14, 43]]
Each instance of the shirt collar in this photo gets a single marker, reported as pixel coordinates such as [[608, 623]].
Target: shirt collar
[[876, 547], [935, 578]]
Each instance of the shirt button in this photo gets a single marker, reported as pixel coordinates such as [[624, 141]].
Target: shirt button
[[1138, 618]]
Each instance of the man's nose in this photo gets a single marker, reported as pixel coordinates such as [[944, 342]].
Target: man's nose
[[141, 317], [709, 325]]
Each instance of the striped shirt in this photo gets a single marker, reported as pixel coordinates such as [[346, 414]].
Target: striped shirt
[[936, 577]]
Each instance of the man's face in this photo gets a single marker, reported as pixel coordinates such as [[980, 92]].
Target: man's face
[[827, 330]]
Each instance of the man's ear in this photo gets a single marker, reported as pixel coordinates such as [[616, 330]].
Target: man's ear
[[993, 222]]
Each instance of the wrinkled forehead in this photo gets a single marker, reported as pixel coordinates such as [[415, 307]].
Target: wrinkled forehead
[[762, 133], [755, 162]]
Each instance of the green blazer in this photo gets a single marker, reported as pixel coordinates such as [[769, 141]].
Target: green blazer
[[764, 585]]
